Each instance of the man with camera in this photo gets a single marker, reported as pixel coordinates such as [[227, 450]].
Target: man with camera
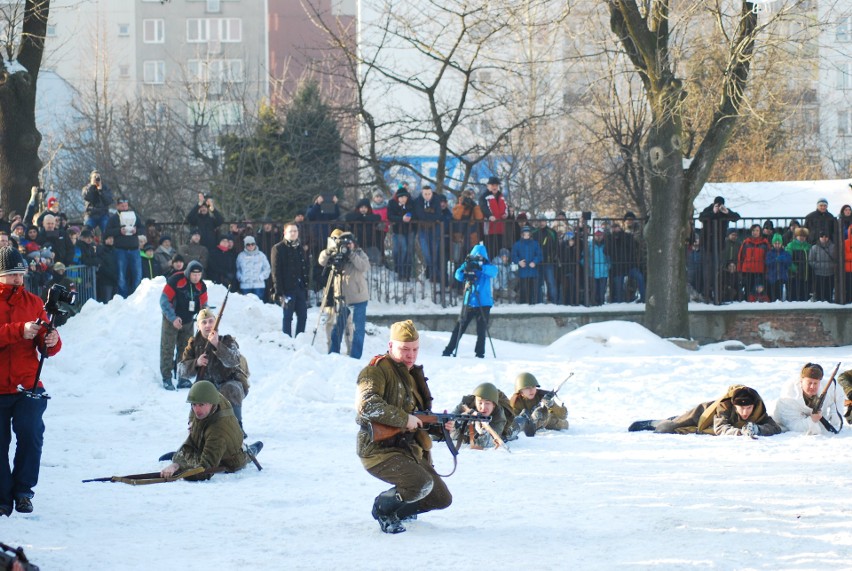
[[207, 220], [98, 198], [23, 336], [349, 266], [476, 272]]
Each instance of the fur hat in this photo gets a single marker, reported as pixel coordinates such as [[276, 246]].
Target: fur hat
[[404, 331], [744, 397], [812, 371]]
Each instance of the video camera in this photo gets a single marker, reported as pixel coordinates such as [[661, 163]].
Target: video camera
[[473, 265], [341, 250], [56, 296]]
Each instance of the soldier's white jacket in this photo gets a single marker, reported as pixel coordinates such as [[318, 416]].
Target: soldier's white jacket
[[794, 415]]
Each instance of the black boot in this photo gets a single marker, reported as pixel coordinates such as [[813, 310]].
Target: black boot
[[640, 425], [167, 384], [184, 384], [255, 448], [238, 412], [526, 424], [408, 512], [384, 511]]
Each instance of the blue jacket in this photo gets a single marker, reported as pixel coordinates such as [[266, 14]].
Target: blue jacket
[[778, 264], [480, 294], [600, 261], [530, 251]]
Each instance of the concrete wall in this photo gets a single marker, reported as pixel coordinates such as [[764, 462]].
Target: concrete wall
[[768, 327]]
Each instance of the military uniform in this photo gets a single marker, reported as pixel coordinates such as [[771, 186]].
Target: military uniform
[[545, 414], [845, 382], [719, 417], [214, 441], [225, 368], [387, 393], [483, 439]]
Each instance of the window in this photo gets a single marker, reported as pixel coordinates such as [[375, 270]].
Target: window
[[154, 72], [844, 76], [153, 31], [214, 6], [844, 123], [231, 30], [197, 30], [215, 70], [124, 70], [51, 31], [843, 32], [124, 30]]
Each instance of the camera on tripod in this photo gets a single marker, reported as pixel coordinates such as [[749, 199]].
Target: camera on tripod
[[341, 250], [56, 296]]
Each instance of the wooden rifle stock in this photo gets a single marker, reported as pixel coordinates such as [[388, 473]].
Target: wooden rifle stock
[[818, 406], [382, 432]]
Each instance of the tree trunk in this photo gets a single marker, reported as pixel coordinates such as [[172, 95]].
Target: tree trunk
[[19, 140]]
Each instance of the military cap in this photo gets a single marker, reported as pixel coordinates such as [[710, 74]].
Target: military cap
[[404, 331]]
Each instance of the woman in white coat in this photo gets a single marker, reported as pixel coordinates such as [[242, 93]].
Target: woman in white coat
[[252, 269]]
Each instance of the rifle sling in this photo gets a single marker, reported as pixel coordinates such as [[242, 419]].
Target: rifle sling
[[828, 426]]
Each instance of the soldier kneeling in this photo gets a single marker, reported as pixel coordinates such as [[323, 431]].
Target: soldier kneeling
[[535, 408], [215, 437]]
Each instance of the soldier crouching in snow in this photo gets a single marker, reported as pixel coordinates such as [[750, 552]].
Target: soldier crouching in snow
[[484, 401], [210, 357], [739, 412], [390, 389], [215, 438], [536, 409]]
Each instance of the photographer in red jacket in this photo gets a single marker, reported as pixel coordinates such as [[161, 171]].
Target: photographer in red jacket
[[21, 339]]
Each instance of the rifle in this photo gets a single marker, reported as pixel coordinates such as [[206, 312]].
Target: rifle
[[552, 393], [380, 432], [155, 478], [818, 406], [201, 371]]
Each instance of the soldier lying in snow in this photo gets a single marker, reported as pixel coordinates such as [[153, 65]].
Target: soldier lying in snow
[[535, 408], [485, 401], [739, 412]]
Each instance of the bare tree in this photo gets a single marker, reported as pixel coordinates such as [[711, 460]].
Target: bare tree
[[23, 49]]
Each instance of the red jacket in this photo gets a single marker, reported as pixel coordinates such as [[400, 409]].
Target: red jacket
[[496, 205], [18, 356], [752, 257]]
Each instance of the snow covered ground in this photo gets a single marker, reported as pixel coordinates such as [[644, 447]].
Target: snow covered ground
[[594, 497]]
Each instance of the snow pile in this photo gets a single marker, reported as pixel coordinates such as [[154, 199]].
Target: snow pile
[[595, 497]]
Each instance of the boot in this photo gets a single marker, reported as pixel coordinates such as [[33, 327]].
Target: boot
[[525, 424], [23, 505], [640, 425], [384, 511], [167, 384], [184, 384], [256, 448], [167, 457], [238, 412], [408, 512]]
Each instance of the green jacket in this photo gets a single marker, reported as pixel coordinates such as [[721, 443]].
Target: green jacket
[[387, 393], [799, 252], [213, 441]]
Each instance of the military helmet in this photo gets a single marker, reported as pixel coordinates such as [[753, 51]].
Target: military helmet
[[525, 380], [203, 392], [487, 391]]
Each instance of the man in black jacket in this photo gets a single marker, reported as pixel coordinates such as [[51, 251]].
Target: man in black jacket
[[714, 229], [98, 198], [290, 278], [207, 219], [125, 226]]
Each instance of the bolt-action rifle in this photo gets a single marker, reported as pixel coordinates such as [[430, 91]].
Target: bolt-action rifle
[[201, 371], [817, 409]]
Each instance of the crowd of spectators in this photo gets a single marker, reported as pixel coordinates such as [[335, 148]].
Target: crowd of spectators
[[419, 234]]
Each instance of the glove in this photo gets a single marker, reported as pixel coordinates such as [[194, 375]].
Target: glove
[[751, 429]]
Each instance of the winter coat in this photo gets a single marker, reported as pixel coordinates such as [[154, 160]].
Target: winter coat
[[548, 240], [794, 414], [150, 267], [207, 224], [252, 269], [364, 226], [752, 256], [530, 251], [193, 251], [494, 205], [467, 220], [98, 200], [222, 267], [387, 393], [223, 362], [847, 251], [799, 251], [107, 266], [599, 260], [556, 417], [116, 225], [396, 212], [623, 251], [352, 285], [164, 256], [703, 418], [58, 242], [778, 264], [480, 295], [714, 228], [483, 439], [214, 441], [88, 254], [823, 258], [181, 298], [19, 357], [427, 211], [817, 222], [289, 268]]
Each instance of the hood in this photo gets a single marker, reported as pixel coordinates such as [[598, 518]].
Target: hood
[[364, 202], [190, 266], [479, 250]]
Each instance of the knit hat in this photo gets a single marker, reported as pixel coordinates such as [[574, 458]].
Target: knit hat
[[812, 371], [823, 201], [194, 231], [51, 201], [249, 240], [404, 331], [526, 229], [719, 200], [777, 239], [402, 193], [193, 266], [11, 261], [493, 180], [165, 237]]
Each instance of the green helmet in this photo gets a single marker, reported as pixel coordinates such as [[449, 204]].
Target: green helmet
[[203, 392], [525, 380], [487, 391]]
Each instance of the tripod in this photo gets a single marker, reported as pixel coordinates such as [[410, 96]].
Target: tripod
[[340, 310], [470, 289]]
